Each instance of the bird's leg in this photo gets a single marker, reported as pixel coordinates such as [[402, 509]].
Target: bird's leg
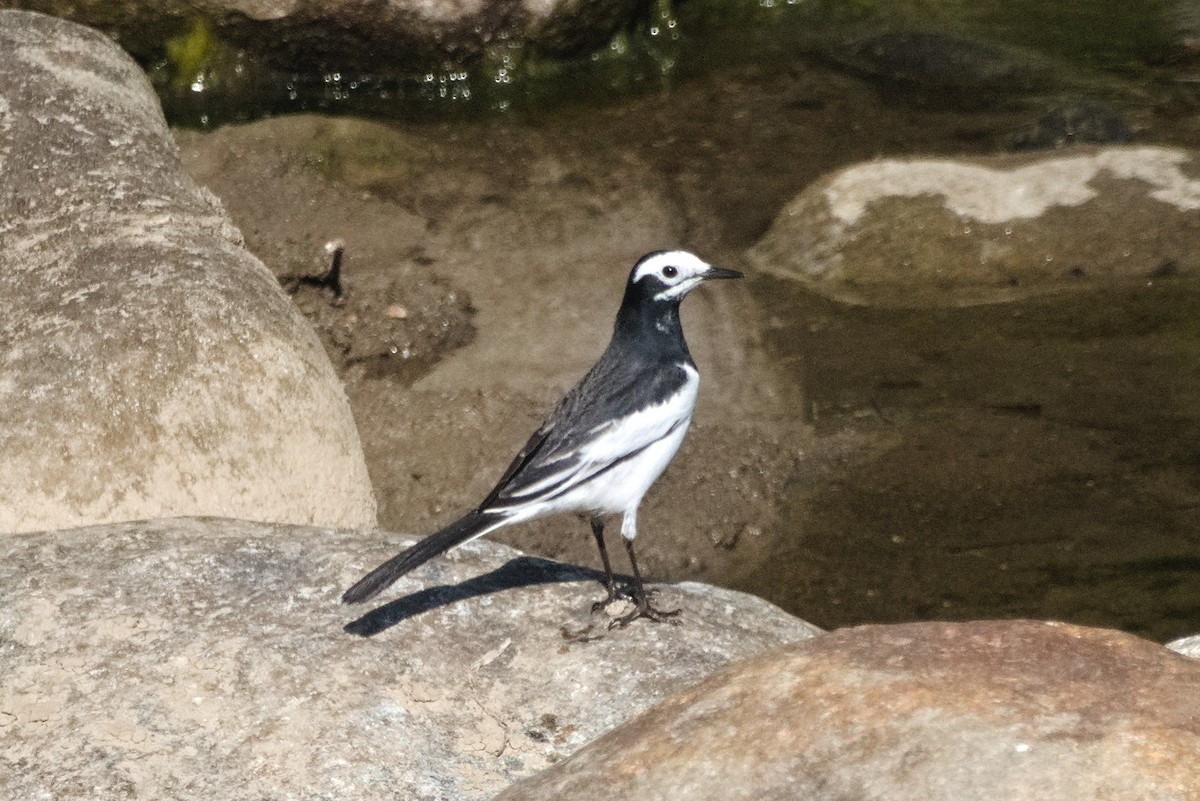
[[610, 580], [641, 598]]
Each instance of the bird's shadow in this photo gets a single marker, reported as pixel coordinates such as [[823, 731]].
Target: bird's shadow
[[523, 571]]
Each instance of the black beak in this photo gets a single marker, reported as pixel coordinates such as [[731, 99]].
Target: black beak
[[720, 272]]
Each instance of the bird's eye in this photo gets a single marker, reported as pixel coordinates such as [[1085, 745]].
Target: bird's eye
[[670, 272]]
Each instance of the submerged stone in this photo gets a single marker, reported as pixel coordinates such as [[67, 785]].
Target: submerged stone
[[1075, 123]]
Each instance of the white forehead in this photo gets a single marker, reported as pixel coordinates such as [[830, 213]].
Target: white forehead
[[687, 264]]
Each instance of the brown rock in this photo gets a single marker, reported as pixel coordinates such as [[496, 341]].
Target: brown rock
[[925, 711]]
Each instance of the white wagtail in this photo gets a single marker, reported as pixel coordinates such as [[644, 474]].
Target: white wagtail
[[606, 442]]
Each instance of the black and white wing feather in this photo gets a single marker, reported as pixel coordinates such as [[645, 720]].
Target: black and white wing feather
[[612, 416]]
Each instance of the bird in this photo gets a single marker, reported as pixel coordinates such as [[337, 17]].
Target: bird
[[605, 443]]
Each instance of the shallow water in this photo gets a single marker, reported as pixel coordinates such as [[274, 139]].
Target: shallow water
[[1043, 456], [1044, 460]]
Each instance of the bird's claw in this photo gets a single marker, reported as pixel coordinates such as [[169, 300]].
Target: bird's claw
[[613, 597], [643, 608]]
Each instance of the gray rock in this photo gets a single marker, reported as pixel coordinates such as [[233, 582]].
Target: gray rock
[[381, 37], [207, 659], [1003, 710], [924, 231], [152, 366]]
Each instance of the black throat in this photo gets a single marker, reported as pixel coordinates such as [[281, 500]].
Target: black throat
[[649, 328]]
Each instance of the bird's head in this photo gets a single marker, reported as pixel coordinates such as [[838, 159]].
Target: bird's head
[[668, 275]]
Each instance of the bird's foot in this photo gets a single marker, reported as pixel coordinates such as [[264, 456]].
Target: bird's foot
[[613, 597], [643, 608]]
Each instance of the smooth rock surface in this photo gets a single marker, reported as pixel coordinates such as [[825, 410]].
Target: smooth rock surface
[[1002, 710], [207, 659], [382, 37], [152, 367], [921, 231]]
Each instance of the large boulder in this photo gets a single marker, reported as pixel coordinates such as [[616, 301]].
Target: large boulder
[[207, 659], [151, 366], [951, 231], [1004, 710]]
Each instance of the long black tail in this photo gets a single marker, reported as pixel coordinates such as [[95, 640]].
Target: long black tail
[[466, 528]]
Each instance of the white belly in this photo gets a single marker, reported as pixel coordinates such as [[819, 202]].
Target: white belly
[[619, 488]]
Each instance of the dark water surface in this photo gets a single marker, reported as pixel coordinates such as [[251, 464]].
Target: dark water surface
[[1045, 460]]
